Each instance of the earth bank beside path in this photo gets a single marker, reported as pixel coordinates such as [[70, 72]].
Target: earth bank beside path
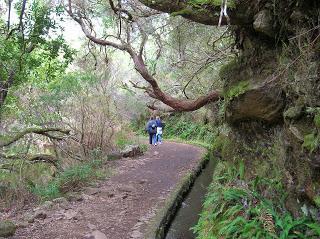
[[121, 207]]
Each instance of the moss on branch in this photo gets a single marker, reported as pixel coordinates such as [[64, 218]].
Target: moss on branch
[[7, 140]]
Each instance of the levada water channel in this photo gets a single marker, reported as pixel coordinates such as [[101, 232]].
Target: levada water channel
[[188, 215]]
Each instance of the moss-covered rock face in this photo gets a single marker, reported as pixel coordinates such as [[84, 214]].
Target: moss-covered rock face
[[262, 104], [263, 23], [293, 113], [7, 229], [275, 117]]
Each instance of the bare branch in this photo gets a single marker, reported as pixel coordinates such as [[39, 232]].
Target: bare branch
[[159, 108], [208, 15], [177, 104], [137, 86], [79, 20], [144, 39], [20, 26], [21, 15], [41, 131], [44, 158], [119, 10]]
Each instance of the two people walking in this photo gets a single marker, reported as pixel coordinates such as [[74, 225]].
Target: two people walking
[[155, 127]]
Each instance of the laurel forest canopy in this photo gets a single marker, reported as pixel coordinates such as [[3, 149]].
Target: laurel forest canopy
[[152, 39]]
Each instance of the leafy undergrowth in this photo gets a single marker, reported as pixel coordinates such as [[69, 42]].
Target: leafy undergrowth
[[15, 177], [29, 182], [128, 137], [124, 138], [22, 182], [183, 127], [237, 209], [71, 179]]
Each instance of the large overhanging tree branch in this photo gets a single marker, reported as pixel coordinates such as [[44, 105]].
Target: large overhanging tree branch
[[207, 13], [41, 131], [154, 90]]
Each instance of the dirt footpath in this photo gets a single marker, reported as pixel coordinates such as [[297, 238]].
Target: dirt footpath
[[121, 207]]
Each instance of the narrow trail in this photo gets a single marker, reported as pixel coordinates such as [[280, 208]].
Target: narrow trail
[[122, 206]]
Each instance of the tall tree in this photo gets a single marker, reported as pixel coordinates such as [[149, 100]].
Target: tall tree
[[26, 40], [133, 37]]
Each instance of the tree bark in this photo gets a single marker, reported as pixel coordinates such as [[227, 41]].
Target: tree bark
[[175, 103], [5, 86], [41, 131], [45, 158]]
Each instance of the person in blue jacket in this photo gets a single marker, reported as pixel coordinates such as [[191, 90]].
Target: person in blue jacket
[[151, 128]]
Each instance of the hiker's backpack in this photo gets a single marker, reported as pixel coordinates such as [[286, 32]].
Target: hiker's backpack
[[153, 128]]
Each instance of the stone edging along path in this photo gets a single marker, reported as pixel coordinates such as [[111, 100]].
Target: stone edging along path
[[165, 214]]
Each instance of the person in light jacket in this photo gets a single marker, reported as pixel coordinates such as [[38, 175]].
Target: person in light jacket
[[160, 127]]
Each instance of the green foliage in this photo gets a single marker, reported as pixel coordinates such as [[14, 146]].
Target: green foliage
[[182, 12], [214, 3], [71, 179], [311, 142], [20, 180], [227, 70], [122, 139], [143, 147], [237, 90], [220, 143], [315, 111], [15, 176], [32, 54], [317, 120], [237, 209], [316, 200], [182, 126]]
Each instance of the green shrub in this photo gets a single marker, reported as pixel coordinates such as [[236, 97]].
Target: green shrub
[[311, 142], [16, 176], [69, 180], [316, 200], [143, 147], [122, 139], [49, 191], [183, 127], [317, 120]]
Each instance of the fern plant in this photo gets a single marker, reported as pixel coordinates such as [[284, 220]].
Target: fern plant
[[237, 209]]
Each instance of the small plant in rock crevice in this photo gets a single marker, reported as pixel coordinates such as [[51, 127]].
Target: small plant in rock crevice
[[311, 142], [237, 90], [214, 3]]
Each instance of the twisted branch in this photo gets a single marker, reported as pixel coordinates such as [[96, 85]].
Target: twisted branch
[[41, 131], [154, 91]]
